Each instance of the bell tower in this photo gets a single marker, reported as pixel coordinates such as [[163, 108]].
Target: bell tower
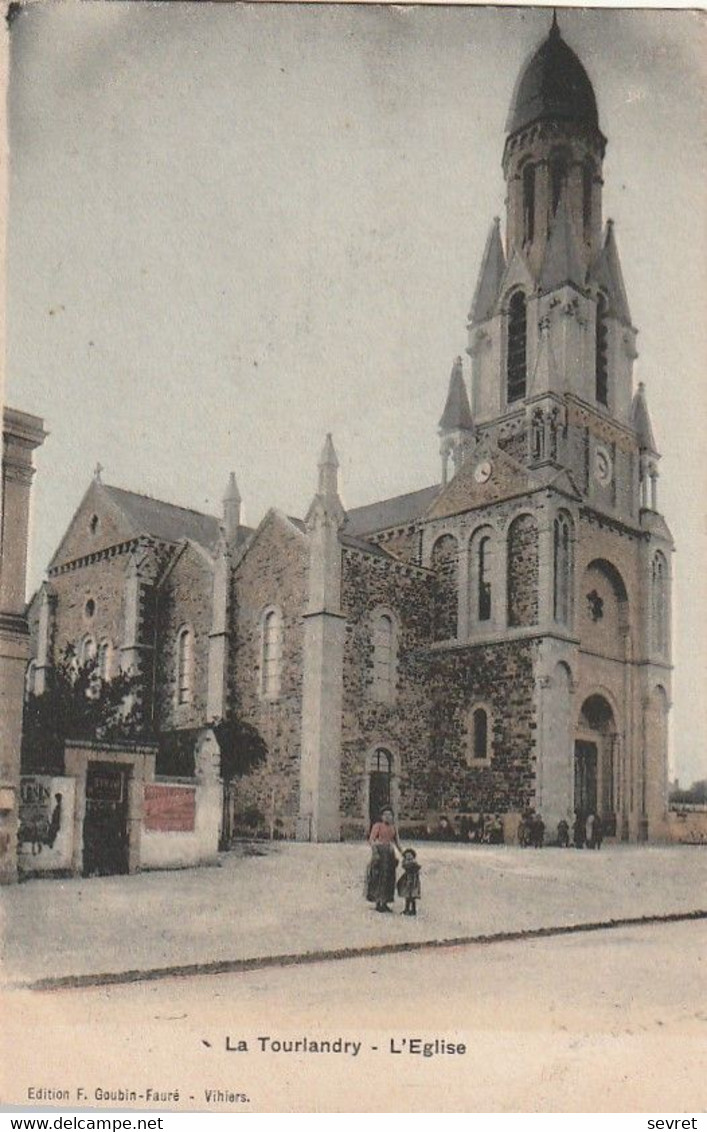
[[552, 346], [554, 149], [550, 315]]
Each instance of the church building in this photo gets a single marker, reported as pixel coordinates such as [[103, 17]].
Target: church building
[[495, 642]]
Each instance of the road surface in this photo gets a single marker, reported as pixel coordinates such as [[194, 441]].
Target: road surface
[[602, 1021]]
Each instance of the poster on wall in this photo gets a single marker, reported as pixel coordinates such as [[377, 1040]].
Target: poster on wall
[[46, 821]]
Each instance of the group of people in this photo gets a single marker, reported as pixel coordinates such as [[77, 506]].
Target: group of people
[[380, 875], [382, 882], [531, 830], [484, 829], [588, 831]]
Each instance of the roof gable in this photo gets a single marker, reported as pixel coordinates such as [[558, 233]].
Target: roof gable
[[97, 523], [108, 516], [468, 490], [274, 518]]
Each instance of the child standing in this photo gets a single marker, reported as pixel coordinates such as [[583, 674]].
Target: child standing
[[409, 882]]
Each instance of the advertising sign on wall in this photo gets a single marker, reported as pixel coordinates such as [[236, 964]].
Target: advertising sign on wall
[[169, 809], [46, 822]]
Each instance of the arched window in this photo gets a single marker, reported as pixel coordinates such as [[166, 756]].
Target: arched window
[[516, 363], [479, 735], [384, 657], [380, 782], [523, 573], [87, 651], [558, 178], [562, 569], [659, 604], [445, 589], [271, 658], [602, 359], [105, 660], [587, 186], [185, 664], [483, 588], [528, 203]]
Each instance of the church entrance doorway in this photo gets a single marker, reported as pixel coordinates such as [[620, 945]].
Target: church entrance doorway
[[585, 777], [596, 762], [105, 827], [380, 783]]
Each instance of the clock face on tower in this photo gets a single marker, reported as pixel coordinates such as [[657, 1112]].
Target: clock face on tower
[[482, 471], [603, 469]]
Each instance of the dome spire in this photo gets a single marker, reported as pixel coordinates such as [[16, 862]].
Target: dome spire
[[553, 86]]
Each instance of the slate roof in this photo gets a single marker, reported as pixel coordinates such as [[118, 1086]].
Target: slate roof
[[389, 513], [166, 521], [553, 86], [457, 412], [493, 267], [366, 547], [641, 421], [606, 272]]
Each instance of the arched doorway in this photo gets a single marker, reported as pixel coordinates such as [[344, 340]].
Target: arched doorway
[[595, 761], [380, 782]]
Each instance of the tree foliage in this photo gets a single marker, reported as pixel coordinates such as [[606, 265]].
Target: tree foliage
[[242, 747], [696, 795], [79, 704]]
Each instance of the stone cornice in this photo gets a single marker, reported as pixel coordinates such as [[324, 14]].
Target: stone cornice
[[603, 520], [409, 569], [24, 428], [119, 549]]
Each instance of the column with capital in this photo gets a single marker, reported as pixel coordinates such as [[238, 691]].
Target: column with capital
[[22, 433]]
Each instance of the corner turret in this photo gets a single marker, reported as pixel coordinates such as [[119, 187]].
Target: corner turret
[[231, 510], [456, 426]]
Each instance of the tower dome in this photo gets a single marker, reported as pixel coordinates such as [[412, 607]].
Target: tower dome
[[553, 85]]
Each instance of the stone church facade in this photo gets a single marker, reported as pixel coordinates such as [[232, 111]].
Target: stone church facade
[[492, 643]]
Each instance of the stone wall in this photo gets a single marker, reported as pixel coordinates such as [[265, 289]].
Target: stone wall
[[102, 582], [523, 571], [185, 598], [445, 586], [499, 678], [175, 845], [272, 573], [405, 544], [401, 725], [515, 445]]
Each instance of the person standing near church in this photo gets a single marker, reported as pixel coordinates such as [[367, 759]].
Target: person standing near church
[[589, 831], [380, 877]]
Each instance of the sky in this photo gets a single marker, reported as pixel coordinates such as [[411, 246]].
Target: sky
[[236, 228]]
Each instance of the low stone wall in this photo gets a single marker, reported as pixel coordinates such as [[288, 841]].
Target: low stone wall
[[687, 825], [181, 820]]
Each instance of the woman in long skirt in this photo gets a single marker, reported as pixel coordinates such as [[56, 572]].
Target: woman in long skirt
[[380, 878]]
